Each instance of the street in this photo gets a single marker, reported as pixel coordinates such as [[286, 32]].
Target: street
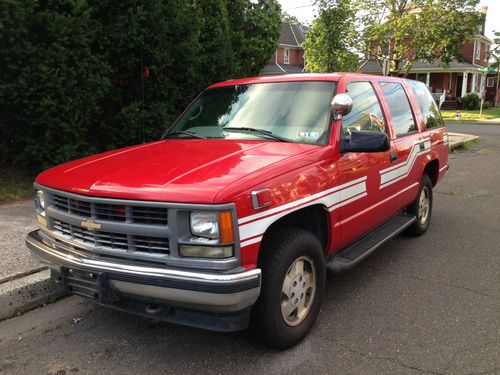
[[417, 305]]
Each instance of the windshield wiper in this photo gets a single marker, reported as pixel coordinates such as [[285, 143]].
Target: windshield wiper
[[260, 131], [180, 132]]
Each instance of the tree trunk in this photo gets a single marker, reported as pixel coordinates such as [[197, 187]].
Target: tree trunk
[[394, 67], [498, 81]]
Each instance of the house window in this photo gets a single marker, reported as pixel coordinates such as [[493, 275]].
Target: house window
[[286, 60], [478, 51], [490, 82]]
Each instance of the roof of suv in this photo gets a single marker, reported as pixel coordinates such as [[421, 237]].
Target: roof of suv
[[297, 77]]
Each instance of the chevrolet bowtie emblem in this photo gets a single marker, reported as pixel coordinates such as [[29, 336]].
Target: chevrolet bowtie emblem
[[90, 225]]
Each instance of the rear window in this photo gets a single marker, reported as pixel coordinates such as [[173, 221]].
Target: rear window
[[428, 106], [399, 105]]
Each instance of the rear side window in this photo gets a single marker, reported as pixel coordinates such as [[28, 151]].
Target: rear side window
[[366, 113], [428, 106], [399, 105]]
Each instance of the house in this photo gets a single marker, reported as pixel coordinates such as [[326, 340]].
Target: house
[[449, 83], [289, 55]]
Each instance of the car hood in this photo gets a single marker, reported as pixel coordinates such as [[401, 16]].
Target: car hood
[[172, 170]]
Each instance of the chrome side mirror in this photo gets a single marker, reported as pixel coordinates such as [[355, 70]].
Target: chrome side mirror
[[341, 105]]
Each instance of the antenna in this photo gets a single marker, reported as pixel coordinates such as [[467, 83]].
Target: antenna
[[142, 97]]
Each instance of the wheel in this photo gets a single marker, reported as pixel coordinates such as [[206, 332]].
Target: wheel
[[293, 282], [421, 208]]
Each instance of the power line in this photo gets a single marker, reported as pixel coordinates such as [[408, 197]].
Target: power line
[[302, 6]]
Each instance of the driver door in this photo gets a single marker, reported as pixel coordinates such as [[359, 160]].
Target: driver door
[[365, 205]]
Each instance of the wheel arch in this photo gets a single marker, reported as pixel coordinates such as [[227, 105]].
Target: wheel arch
[[432, 170], [314, 218]]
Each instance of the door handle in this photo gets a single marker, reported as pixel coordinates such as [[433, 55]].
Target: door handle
[[394, 156]]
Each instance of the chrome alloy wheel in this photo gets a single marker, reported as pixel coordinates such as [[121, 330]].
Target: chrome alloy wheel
[[423, 205], [298, 290]]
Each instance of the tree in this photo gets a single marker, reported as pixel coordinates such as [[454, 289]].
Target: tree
[[256, 27], [286, 17], [83, 76], [331, 39], [52, 84], [495, 55], [404, 31]]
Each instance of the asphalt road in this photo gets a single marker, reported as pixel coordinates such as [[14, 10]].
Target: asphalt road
[[418, 305]]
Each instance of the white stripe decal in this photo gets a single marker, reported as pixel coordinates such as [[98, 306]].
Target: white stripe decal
[[405, 162], [254, 226], [415, 146], [396, 173], [333, 201], [299, 201], [355, 198], [251, 242]]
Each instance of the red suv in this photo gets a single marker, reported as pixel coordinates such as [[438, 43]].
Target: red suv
[[235, 215]]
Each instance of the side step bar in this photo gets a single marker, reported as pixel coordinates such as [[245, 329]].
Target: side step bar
[[351, 255]]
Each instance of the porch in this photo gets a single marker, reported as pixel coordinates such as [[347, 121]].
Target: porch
[[448, 87]]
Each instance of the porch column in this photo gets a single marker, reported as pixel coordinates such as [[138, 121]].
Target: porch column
[[428, 80], [473, 86], [464, 85]]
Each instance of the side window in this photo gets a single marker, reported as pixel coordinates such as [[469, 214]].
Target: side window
[[400, 108], [366, 113], [428, 106]]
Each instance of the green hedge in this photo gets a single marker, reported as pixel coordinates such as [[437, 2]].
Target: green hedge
[[79, 77], [471, 101]]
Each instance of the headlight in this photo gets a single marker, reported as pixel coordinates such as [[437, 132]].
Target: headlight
[[205, 224], [40, 200]]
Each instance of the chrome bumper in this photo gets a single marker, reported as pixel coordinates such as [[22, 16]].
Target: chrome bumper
[[208, 292]]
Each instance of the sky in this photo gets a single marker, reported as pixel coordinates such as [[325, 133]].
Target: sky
[[305, 11]]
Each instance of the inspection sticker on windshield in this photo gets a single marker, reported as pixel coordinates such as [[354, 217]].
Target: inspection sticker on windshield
[[307, 135]]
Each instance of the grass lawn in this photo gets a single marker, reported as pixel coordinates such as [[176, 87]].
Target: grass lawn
[[16, 183], [490, 114]]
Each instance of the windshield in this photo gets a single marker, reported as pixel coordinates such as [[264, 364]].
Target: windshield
[[290, 111]]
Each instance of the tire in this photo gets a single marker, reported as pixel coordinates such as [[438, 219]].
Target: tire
[[282, 319], [421, 208]]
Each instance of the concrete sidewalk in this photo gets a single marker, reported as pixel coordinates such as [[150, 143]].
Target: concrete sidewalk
[[24, 284], [457, 140], [16, 221]]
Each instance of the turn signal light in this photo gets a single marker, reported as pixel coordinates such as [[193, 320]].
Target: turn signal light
[[226, 227]]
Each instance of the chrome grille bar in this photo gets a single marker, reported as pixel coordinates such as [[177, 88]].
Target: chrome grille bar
[[110, 212]]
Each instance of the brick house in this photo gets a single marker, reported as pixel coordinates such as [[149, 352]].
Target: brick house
[[459, 78], [289, 55]]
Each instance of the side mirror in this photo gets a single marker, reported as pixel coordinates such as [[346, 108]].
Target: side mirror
[[341, 105], [367, 141]]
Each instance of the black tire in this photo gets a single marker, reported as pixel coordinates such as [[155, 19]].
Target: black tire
[[280, 250], [419, 227]]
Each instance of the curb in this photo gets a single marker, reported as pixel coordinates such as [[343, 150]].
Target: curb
[[458, 144], [25, 293], [453, 122]]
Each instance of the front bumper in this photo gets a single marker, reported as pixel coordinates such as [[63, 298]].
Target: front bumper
[[193, 291]]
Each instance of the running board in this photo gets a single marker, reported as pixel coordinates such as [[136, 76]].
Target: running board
[[351, 255]]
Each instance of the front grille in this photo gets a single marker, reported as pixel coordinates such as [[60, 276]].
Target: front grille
[[117, 242], [149, 215], [111, 212]]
